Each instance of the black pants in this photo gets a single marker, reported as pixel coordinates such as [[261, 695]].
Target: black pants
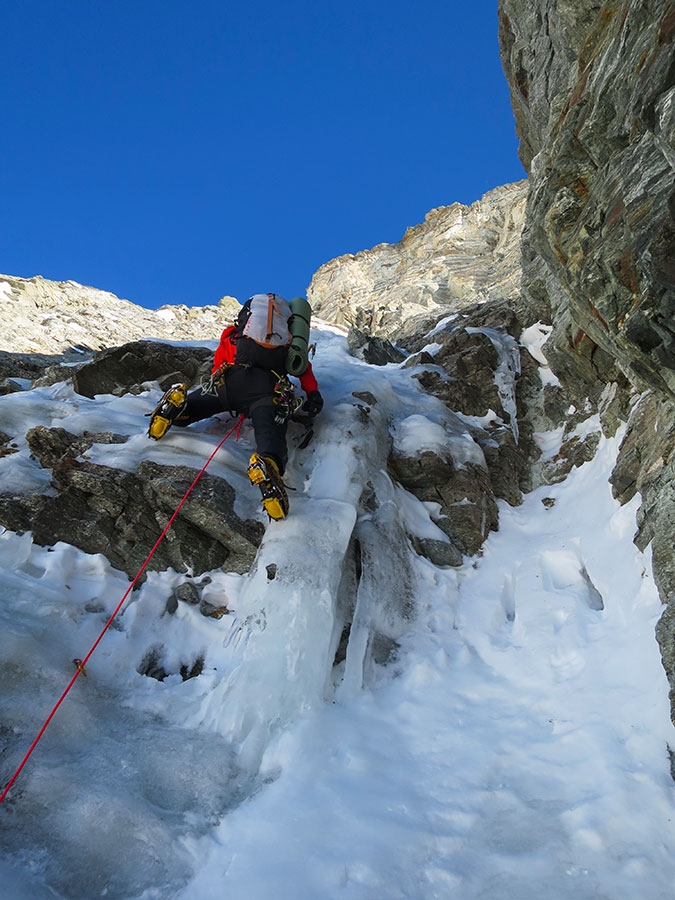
[[249, 391]]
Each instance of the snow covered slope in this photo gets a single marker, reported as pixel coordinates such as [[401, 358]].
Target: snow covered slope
[[498, 730]]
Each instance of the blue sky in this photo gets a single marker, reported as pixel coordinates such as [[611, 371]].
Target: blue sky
[[174, 152]]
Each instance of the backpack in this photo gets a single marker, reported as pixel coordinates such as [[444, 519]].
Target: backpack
[[263, 334]]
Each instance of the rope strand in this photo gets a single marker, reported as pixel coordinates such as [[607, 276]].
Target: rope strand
[[80, 665]]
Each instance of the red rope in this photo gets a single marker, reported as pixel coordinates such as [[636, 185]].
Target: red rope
[[80, 664]]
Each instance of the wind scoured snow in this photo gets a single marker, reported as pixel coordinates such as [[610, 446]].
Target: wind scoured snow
[[513, 742]]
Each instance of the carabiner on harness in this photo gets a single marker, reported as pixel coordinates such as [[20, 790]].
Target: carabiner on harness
[[287, 404]]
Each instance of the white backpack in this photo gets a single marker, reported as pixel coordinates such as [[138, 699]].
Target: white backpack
[[263, 332], [267, 322]]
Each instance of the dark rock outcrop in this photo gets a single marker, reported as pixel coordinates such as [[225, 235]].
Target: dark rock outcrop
[[126, 369], [49, 445], [16, 368], [465, 496], [373, 350], [121, 514]]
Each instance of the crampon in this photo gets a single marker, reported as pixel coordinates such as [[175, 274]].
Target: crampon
[[171, 404], [264, 472]]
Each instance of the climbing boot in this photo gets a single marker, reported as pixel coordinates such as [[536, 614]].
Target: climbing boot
[[264, 472], [171, 404]]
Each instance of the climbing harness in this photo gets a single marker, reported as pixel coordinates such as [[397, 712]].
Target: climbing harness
[[81, 663]]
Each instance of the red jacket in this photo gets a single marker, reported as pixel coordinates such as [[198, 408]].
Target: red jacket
[[227, 348]]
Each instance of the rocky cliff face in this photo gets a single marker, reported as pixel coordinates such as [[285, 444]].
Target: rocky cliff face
[[593, 91], [459, 255]]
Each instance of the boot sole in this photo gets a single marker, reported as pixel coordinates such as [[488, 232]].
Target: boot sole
[[158, 427]]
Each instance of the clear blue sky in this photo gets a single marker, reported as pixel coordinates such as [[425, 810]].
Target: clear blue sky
[[173, 151]]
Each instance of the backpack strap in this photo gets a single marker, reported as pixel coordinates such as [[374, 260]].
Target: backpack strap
[[272, 307]]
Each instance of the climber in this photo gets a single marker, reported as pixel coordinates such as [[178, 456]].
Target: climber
[[252, 380]]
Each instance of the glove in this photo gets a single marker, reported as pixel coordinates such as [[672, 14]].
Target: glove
[[313, 404]]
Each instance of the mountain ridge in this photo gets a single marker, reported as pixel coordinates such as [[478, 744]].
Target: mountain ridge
[[62, 317]]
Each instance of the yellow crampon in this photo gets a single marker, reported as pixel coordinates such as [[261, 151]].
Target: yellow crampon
[[166, 411], [264, 473]]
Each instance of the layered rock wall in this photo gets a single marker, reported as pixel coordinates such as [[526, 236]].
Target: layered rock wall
[[593, 89], [593, 92]]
